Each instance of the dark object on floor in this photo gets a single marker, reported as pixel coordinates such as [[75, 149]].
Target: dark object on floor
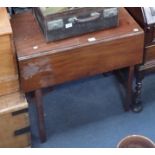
[[145, 16], [136, 141], [62, 22]]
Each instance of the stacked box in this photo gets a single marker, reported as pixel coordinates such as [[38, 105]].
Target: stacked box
[[14, 121], [8, 69]]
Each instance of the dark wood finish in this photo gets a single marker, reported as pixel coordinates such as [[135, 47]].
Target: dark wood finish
[[137, 103], [42, 65], [129, 92], [76, 63], [150, 50], [125, 77], [144, 17], [40, 112], [71, 59], [27, 36]]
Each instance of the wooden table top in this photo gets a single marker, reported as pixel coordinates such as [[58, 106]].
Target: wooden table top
[[30, 42], [5, 27]]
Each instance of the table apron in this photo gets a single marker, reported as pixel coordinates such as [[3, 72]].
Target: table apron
[[60, 67]]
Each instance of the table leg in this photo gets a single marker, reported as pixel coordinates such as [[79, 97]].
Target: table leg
[[40, 113], [129, 91], [137, 103]]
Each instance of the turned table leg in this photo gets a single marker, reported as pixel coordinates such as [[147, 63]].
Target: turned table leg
[[129, 91], [137, 103], [40, 113]]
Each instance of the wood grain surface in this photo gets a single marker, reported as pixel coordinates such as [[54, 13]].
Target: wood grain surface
[[8, 65], [5, 27], [27, 36], [149, 53], [74, 58], [10, 123]]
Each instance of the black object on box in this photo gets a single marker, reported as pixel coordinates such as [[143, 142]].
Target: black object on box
[[63, 22]]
